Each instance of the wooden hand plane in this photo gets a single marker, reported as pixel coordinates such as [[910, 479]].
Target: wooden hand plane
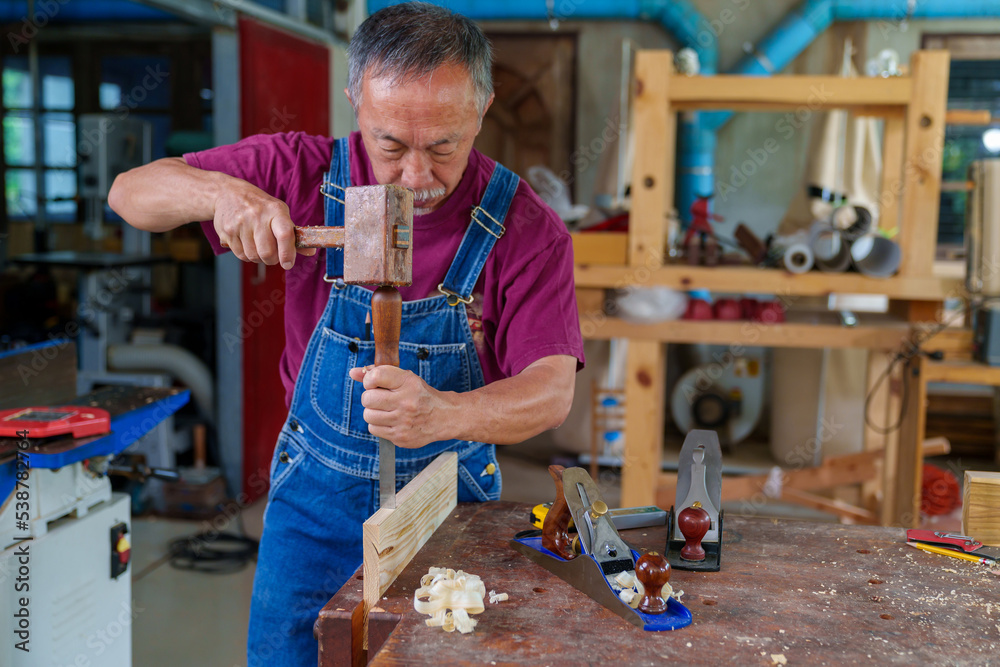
[[595, 561]]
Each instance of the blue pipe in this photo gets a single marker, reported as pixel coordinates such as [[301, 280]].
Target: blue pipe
[[678, 17], [79, 11]]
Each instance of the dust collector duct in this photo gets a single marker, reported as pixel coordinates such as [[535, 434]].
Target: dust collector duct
[[172, 360]]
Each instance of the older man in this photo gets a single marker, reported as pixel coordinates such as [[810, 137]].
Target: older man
[[490, 335]]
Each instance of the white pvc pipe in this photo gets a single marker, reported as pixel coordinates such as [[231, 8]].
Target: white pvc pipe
[[170, 359]]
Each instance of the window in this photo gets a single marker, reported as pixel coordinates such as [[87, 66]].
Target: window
[[46, 172]]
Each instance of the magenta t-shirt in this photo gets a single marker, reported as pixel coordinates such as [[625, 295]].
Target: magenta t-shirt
[[525, 304]]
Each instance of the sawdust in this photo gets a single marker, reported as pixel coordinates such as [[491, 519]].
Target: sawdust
[[778, 659]]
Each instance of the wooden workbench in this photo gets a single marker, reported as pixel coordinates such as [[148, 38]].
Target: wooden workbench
[[815, 593]]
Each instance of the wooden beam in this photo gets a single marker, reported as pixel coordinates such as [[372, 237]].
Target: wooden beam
[[789, 92], [845, 511], [773, 281], [746, 333], [608, 248], [877, 387], [957, 372], [891, 189], [393, 536], [645, 380], [968, 117], [910, 465], [925, 126], [653, 164]]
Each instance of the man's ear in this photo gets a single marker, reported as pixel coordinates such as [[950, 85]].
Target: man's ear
[[486, 108]]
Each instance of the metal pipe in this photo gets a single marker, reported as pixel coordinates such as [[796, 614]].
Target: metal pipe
[[876, 256]]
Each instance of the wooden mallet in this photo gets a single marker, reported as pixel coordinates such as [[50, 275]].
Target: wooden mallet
[[376, 238]]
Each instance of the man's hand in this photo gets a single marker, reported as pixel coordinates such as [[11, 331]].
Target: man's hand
[[255, 225], [168, 193], [400, 407]]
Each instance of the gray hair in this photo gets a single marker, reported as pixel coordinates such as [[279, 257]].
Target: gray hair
[[412, 39]]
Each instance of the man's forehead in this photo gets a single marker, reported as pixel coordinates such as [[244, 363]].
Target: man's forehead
[[387, 135]]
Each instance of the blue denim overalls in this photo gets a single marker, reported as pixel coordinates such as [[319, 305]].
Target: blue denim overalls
[[324, 475]]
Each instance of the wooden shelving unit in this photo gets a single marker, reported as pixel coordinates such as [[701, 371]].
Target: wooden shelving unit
[[914, 110]]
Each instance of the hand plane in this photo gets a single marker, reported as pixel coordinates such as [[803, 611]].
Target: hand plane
[[595, 561]]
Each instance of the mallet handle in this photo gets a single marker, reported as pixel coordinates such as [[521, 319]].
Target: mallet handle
[[319, 237], [387, 307]]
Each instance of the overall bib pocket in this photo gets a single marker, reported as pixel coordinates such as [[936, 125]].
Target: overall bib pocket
[[336, 398]]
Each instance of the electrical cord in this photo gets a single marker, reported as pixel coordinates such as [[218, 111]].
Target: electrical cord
[[212, 553], [911, 349]]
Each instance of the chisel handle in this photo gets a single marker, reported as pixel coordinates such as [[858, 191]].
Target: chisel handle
[[387, 313]]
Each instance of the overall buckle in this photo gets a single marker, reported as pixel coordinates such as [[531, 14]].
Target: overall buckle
[[453, 297]]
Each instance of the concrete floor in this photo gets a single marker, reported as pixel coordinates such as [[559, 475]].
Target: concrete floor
[[188, 618]]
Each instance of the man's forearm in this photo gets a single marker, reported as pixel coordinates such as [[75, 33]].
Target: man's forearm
[[165, 194], [512, 410]]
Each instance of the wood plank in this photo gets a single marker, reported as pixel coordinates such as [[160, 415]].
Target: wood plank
[[608, 248], [746, 333], [847, 512], [645, 380], [891, 188], [910, 465], [858, 110], [968, 117], [878, 388], [815, 92], [957, 372], [393, 536], [925, 126], [955, 343], [771, 281], [653, 164]]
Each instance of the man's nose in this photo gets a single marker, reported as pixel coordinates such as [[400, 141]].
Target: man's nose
[[417, 171]]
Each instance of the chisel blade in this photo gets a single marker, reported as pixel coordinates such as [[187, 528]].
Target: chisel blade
[[386, 474]]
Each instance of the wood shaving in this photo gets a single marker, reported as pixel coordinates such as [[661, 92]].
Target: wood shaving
[[497, 597], [448, 597], [778, 659], [632, 591]]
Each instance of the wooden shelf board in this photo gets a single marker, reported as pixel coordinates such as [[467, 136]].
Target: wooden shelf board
[[741, 280], [749, 334], [959, 372], [777, 92]]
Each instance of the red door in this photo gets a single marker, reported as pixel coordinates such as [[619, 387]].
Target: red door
[[284, 87]]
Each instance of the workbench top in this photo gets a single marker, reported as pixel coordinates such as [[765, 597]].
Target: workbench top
[[812, 593]]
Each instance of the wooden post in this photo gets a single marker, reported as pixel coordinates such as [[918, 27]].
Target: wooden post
[[910, 466], [925, 125], [645, 377], [653, 166], [891, 190], [393, 536]]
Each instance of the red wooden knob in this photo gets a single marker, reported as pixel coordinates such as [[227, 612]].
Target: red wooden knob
[[653, 571], [694, 522]]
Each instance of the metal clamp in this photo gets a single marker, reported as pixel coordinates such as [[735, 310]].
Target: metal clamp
[[453, 297], [338, 283], [479, 222], [327, 194]]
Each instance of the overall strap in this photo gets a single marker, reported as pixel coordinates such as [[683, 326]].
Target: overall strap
[[334, 183], [483, 232]]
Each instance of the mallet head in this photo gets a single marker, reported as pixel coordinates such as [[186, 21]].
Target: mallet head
[[378, 230]]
